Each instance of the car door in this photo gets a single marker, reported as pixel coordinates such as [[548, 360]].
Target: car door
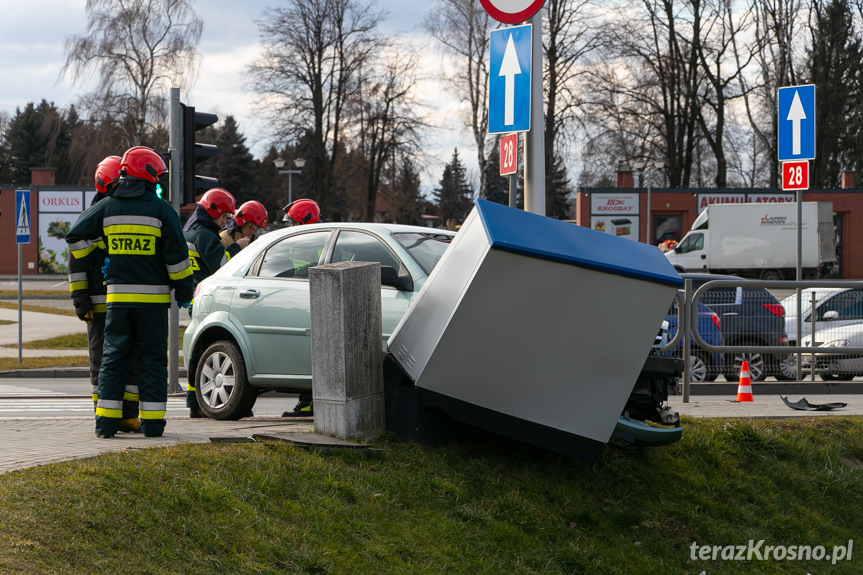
[[361, 246], [690, 253], [272, 304], [848, 308]]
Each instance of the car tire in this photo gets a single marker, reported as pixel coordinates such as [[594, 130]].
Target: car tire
[[757, 366], [836, 376], [222, 389], [771, 275]]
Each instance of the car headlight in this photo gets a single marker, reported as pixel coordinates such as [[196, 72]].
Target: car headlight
[[837, 343]]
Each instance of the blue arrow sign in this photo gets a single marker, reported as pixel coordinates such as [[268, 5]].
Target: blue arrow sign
[[796, 123], [509, 80], [22, 216]]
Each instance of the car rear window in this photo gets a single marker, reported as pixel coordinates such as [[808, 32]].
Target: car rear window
[[425, 249]]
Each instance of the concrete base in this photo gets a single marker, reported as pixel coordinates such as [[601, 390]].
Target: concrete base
[[347, 371], [358, 418]]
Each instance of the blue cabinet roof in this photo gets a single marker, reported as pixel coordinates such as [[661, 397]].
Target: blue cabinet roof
[[529, 234]]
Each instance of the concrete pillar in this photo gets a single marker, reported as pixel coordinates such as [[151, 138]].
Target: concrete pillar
[[347, 364]]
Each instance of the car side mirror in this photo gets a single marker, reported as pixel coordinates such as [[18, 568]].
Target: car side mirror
[[832, 314], [394, 278]]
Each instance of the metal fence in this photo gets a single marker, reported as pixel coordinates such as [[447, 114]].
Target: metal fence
[[780, 328]]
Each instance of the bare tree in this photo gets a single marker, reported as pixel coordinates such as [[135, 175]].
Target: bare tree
[[138, 49], [722, 64], [388, 118], [314, 51], [776, 39], [462, 27], [570, 35], [649, 81]]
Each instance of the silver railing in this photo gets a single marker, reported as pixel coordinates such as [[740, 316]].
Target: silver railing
[[688, 332]]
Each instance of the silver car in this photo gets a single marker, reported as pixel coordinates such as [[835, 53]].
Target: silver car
[[836, 366], [250, 326]]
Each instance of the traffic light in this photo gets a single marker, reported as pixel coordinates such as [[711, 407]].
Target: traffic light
[[194, 153]]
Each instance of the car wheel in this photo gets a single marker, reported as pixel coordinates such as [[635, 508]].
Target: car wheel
[[697, 369], [836, 376], [771, 275], [787, 368], [222, 389], [757, 366]]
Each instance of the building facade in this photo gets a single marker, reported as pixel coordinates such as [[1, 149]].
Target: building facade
[[655, 214]]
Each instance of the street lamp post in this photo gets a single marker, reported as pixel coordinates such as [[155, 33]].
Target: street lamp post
[[648, 169], [280, 163]]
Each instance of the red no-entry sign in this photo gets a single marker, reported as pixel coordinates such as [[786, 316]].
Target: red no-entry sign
[[795, 175], [511, 11]]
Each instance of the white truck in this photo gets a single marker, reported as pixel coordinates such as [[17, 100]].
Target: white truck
[[758, 241]]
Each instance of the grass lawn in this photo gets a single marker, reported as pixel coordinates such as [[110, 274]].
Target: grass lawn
[[11, 363], [38, 308], [484, 506], [7, 293]]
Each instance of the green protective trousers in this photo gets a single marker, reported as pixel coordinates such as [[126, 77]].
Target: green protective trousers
[[141, 331]]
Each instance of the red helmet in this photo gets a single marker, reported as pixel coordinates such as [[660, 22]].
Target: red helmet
[[217, 201], [251, 211], [107, 173], [143, 162], [303, 211]]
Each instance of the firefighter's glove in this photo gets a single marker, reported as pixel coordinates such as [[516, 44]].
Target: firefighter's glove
[[87, 317], [105, 267], [187, 304]]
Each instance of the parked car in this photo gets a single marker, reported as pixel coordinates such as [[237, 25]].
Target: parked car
[[250, 325], [837, 366], [704, 365], [750, 316], [834, 307]]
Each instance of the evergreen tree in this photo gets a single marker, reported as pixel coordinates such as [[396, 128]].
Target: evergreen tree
[[561, 192], [31, 140], [836, 66], [453, 195], [496, 186], [405, 197], [234, 165]]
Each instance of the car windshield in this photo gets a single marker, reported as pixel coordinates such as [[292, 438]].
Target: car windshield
[[425, 249]]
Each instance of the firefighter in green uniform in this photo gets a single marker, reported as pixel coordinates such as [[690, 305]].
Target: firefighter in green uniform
[[87, 287], [147, 258], [206, 252], [298, 213]]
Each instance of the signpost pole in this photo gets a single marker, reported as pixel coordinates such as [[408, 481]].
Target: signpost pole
[[175, 144], [20, 291], [534, 140], [22, 236]]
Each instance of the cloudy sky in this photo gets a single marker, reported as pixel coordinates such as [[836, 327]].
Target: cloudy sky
[[32, 34]]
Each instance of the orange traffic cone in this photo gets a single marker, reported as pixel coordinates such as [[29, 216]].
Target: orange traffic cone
[[744, 385]]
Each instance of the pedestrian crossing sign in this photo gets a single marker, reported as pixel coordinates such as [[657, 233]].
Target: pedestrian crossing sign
[[22, 216]]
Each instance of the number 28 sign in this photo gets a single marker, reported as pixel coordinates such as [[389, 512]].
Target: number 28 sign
[[508, 154], [795, 175]]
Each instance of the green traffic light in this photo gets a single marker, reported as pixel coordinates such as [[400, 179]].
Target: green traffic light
[[159, 190]]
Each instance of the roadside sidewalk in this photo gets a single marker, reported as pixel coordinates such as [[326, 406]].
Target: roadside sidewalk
[[35, 442]]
